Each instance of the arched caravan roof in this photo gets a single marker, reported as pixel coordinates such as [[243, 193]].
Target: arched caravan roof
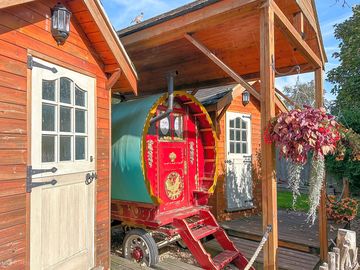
[[130, 123]]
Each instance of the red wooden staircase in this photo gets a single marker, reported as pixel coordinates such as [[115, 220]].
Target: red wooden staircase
[[205, 225]]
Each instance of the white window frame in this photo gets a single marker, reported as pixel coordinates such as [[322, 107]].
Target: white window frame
[[85, 83]]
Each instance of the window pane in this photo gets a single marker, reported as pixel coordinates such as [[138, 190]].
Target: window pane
[[79, 148], [79, 96], [65, 119], [244, 148], [65, 148], [48, 117], [232, 150], [232, 123], [48, 148], [237, 147], [232, 136], [238, 135], [65, 90], [164, 125], [243, 136], [80, 121], [243, 124], [237, 122], [178, 126], [48, 90]]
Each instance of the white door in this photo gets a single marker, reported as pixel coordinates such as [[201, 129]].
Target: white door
[[238, 161], [63, 137]]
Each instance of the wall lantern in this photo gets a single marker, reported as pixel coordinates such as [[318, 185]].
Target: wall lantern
[[245, 97], [60, 23]]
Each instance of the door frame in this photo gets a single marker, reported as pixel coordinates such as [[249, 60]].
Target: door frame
[[227, 138], [56, 61]]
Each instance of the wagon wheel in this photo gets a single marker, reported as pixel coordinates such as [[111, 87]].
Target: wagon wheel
[[140, 246]]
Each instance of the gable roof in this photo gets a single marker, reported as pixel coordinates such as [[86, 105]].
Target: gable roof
[[101, 34]]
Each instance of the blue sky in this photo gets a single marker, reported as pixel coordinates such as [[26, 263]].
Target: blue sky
[[122, 12]]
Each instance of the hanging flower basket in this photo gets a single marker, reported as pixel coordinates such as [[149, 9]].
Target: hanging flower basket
[[301, 135]]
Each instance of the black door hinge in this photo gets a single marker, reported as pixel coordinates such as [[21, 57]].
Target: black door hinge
[[30, 172], [32, 63]]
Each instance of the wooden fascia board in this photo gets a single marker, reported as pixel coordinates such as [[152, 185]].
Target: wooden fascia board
[[10, 3], [183, 21], [289, 30], [223, 66], [314, 22], [100, 18], [319, 35]]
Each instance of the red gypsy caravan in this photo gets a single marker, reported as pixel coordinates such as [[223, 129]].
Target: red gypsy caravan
[[163, 171]]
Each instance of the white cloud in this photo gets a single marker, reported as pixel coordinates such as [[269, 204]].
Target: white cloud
[[327, 28]]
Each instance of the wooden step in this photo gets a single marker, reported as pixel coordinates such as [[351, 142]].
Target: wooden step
[[204, 231], [196, 223], [224, 258]]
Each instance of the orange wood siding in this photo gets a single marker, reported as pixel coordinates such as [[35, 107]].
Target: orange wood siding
[[218, 199], [24, 29]]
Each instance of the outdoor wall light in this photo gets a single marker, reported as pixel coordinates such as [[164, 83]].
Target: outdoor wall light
[[245, 97], [60, 23]]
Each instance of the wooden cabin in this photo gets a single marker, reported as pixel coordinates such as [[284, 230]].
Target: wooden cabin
[[213, 43], [55, 133], [237, 117]]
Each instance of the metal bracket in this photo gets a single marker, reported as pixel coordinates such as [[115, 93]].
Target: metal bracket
[[30, 172], [31, 63]]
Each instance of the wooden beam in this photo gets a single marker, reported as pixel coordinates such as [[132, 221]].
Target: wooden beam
[[280, 104], [323, 236], [9, 3], [113, 79], [223, 66], [287, 98], [299, 23], [295, 38], [223, 111], [267, 79]]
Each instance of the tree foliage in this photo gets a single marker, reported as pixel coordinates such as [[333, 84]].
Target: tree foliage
[[346, 80], [301, 93]]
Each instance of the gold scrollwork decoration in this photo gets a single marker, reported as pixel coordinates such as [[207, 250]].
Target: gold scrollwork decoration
[[174, 186], [192, 154], [150, 151]]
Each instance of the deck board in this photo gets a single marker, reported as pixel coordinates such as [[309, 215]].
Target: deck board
[[294, 231], [287, 258], [119, 263]]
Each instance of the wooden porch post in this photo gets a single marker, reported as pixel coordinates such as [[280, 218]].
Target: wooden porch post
[[319, 100], [267, 78]]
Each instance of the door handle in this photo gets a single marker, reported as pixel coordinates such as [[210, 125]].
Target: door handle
[[90, 177]]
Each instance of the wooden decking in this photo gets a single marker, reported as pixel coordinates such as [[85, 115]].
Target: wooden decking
[[294, 232], [287, 259], [119, 263]]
